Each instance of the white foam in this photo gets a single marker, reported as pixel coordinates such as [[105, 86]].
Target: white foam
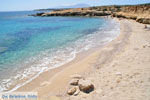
[[48, 60]]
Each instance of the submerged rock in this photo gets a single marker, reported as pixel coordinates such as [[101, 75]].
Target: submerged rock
[[86, 86]]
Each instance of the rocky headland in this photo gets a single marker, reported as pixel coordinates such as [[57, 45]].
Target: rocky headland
[[140, 13]]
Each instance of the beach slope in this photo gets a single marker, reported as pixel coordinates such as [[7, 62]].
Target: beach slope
[[119, 71], [122, 71]]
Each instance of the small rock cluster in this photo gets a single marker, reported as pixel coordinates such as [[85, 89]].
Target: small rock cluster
[[79, 84]]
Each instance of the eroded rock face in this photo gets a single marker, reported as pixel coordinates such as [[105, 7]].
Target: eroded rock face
[[143, 20], [125, 15], [72, 91], [118, 15], [140, 13], [75, 12], [86, 86]]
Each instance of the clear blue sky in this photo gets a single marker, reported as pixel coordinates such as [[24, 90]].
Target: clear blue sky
[[19, 5]]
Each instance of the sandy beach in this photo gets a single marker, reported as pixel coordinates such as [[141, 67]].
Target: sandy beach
[[119, 71]]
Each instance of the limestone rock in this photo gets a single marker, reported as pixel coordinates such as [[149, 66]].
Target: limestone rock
[[72, 91], [74, 82], [86, 86], [77, 92]]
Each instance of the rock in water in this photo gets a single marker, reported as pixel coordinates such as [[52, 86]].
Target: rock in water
[[74, 82], [72, 91], [86, 86]]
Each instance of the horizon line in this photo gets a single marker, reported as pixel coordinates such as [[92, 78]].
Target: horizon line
[[71, 8]]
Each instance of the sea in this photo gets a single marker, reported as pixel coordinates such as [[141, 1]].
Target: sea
[[31, 45]]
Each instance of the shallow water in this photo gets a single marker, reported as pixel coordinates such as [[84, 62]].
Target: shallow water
[[31, 45]]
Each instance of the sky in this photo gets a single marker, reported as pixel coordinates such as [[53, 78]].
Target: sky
[[21, 5]]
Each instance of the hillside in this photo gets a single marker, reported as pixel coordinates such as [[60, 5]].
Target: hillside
[[140, 13]]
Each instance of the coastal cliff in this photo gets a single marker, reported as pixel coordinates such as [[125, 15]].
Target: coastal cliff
[[140, 13]]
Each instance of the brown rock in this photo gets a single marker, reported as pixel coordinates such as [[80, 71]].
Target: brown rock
[[74, 82], [86, 86], [72, 91], [143, 20]]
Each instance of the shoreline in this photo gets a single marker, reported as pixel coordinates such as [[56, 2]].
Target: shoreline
[[121, 71], [55, 82], [78, 55], [49, 75]]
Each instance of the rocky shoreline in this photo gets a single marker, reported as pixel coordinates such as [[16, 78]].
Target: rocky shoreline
[[74, 13], [143, 20], [140, 13]]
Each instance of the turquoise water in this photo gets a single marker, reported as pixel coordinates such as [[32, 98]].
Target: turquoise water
[[31, 45]]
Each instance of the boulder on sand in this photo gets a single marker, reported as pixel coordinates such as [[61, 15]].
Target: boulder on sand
[[74, 82], [77, 92], [85, 86], [72, 91]]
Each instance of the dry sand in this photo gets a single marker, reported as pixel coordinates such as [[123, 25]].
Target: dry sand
[[119, 71]]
